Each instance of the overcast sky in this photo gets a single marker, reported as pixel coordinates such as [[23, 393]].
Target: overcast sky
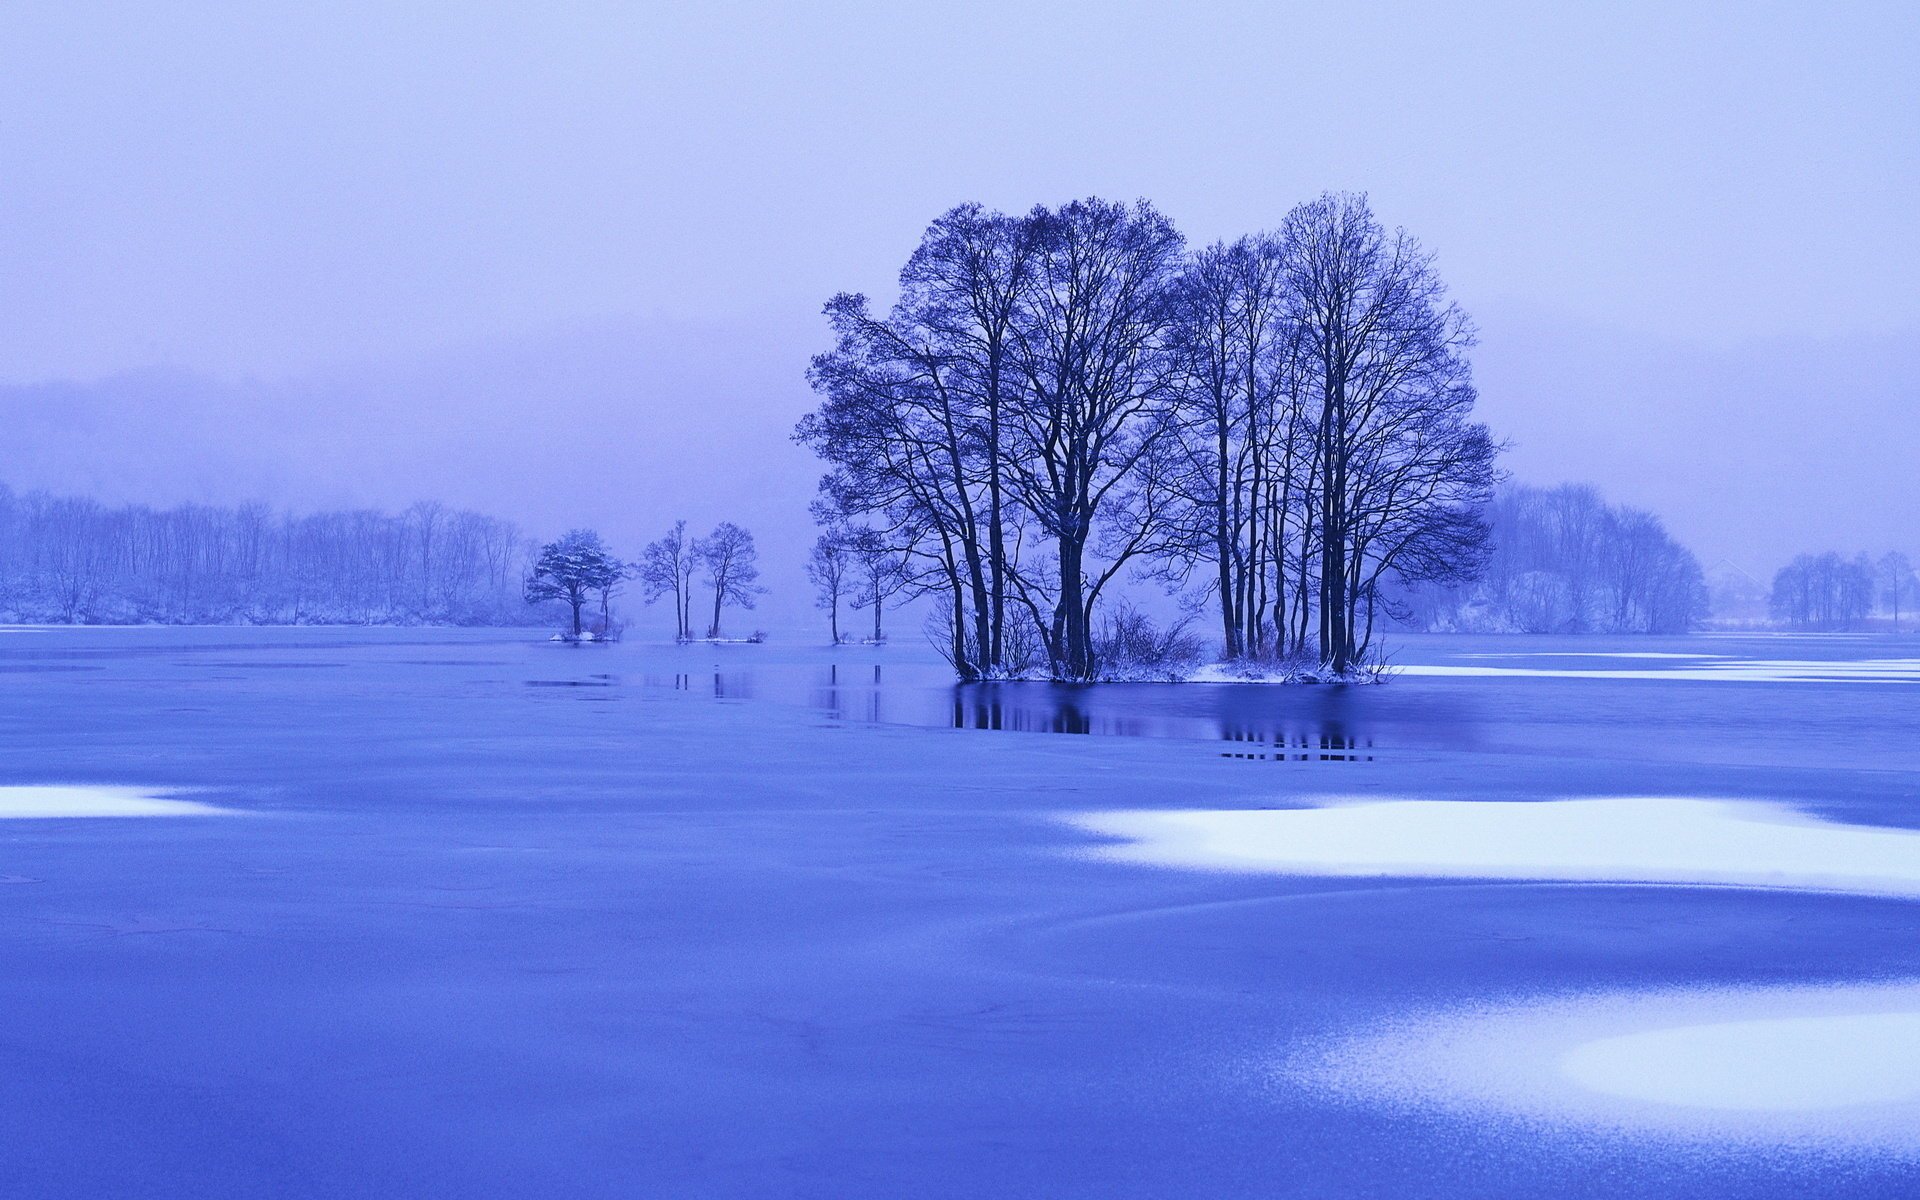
[[1667, 222]]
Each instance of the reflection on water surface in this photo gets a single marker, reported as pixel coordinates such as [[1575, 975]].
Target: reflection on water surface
[[1265, 723]]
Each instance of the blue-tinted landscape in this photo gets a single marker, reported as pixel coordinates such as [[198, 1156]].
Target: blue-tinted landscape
[[931, 601], [483, 914]]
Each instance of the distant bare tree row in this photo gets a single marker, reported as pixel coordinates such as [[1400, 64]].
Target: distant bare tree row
[[1565, 561], [1830, 591], [66, 559], [1280, 424]]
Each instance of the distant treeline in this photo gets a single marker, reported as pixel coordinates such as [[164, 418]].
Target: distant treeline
[[1563, 560], [67, 559], [1831, 591]]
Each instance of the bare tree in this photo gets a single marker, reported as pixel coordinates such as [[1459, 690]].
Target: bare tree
[[1090, 344], [1393, 439], [1897, 583], [732, 569], [830, 568], [914, 420], [666, 568], [1244, 449], [882, 574]]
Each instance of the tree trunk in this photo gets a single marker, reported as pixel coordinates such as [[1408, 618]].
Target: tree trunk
[[1072, 653]]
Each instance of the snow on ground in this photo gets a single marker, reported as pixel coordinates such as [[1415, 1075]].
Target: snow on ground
[[1629, 839], [42, 802], [1835, 1067]]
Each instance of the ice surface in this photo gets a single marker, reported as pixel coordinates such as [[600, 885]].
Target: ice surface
[[1628, 839], [746, 921], [39, 802]]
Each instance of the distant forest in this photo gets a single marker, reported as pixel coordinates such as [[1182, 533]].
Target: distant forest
[[1563, 560], [73, 560]]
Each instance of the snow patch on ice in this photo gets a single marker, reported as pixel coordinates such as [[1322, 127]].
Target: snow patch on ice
[[1737, 670], [1628, 839], [1596, 654], [59, 801], [1815, 1066], [1773, 1064]]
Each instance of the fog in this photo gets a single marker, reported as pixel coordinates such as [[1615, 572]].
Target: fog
[[564, 263]]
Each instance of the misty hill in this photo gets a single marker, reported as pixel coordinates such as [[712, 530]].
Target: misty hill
[[1751, 452]]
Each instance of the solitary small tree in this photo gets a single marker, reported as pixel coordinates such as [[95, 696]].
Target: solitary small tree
[[573, 569], [830, 570], [732, 569], [1898, 583]]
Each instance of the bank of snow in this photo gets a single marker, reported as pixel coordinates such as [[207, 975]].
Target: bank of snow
[[39, 802]]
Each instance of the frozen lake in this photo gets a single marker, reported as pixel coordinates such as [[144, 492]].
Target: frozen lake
[[420, 913]]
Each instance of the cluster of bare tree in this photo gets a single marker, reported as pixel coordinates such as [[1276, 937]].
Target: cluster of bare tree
[[728, 559], [1565, 561], [1831, 591], [859, 568], [1280, 424], [75, 560]]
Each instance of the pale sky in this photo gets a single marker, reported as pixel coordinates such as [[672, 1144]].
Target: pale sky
[[292, 196]]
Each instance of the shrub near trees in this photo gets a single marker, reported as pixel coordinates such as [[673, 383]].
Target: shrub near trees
[[1058, 399]]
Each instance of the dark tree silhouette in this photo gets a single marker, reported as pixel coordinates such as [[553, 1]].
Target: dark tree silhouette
[[666, 568], [830, 568], [882, 573], [1090, 345], [1401, 471], [1059, 398], [733, 570], [914, 419]]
